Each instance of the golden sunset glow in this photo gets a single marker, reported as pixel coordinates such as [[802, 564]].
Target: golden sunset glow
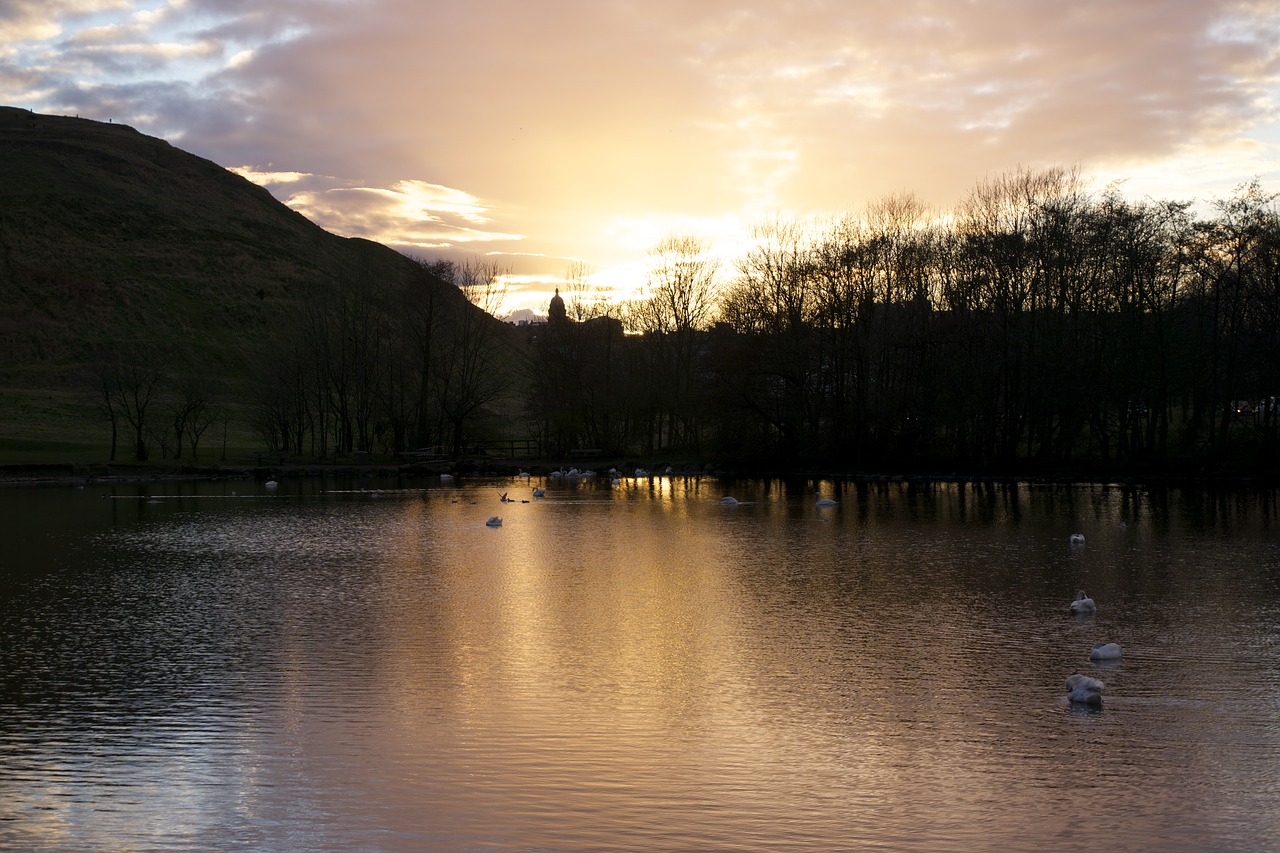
[[539, 135]]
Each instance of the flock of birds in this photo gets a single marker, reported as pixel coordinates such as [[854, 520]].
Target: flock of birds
[[615, 479], [558, 474], [1084, 689]]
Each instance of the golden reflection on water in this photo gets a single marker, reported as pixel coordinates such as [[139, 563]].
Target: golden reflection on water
[[651, 653], [560, 615], [639, 667], [609, 655]]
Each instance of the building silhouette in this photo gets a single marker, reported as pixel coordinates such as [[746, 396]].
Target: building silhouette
[[555, 311]]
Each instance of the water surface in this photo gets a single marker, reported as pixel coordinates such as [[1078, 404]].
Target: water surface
[[367, 665]]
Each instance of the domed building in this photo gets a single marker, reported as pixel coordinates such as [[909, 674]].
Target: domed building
[[555, 311]]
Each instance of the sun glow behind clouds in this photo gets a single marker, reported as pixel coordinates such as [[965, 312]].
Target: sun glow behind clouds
[[1198, 175], [268, 179], [595, 130]]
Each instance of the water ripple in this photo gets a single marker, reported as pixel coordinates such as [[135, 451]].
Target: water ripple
[[345, 669]]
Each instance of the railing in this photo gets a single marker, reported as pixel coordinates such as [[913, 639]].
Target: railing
[[503, 448], [513, 448]]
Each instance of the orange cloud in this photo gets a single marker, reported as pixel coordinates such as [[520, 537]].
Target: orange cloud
[[573, 128]]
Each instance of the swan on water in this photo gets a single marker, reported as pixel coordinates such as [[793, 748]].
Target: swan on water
[[1076, 538], [523, 475], [539, 492], [615, 482], [1084, 690], [728, 500], [271, 484], [826, 502], [446, 478], [494, 521], [1083, 604], [503, 497], [1106, 651], [640, 472]]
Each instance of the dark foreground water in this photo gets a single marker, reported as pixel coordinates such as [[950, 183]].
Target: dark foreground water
[[323, 666]]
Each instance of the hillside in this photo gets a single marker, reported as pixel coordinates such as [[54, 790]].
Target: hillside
[[111, 239]]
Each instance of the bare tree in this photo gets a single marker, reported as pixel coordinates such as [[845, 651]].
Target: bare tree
[[192, 410], [205, 417], [680, 293], [583, 300], [423, 316], [347, 332], [774, 299], [134, 382], [679, 303], [106, 401], [474, 370]]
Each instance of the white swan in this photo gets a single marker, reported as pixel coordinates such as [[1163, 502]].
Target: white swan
[[524, 475], [826, 502], [615, 482], [728, 500], [539, 492], [640, 472], [1083, 604], [1106, 651], [1084, 690], [1076, 538], [494, 521], [271, 484], [446, 478]]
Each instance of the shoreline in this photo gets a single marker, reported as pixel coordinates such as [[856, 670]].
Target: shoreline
[[71, 474]]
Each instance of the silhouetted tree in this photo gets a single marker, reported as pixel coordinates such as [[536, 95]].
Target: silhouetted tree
[[134, 379], [678, 302], [473, 369]]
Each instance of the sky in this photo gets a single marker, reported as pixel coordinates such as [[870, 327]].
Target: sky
[[542, 134]]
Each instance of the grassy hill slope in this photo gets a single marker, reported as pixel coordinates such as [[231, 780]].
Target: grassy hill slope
[[111, 239]]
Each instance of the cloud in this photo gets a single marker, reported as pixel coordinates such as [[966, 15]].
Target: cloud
[[269, 178], [411, 215], [22, 20], [932, 95], [573, 128]]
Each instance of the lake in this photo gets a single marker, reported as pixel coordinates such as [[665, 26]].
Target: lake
[[365, 665]]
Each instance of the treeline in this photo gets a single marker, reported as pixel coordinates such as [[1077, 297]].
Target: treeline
[[374, 366], [154, 403], [364, 364], [1038, 325]]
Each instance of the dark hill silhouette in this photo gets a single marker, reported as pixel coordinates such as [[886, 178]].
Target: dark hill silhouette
[[112, 239]]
